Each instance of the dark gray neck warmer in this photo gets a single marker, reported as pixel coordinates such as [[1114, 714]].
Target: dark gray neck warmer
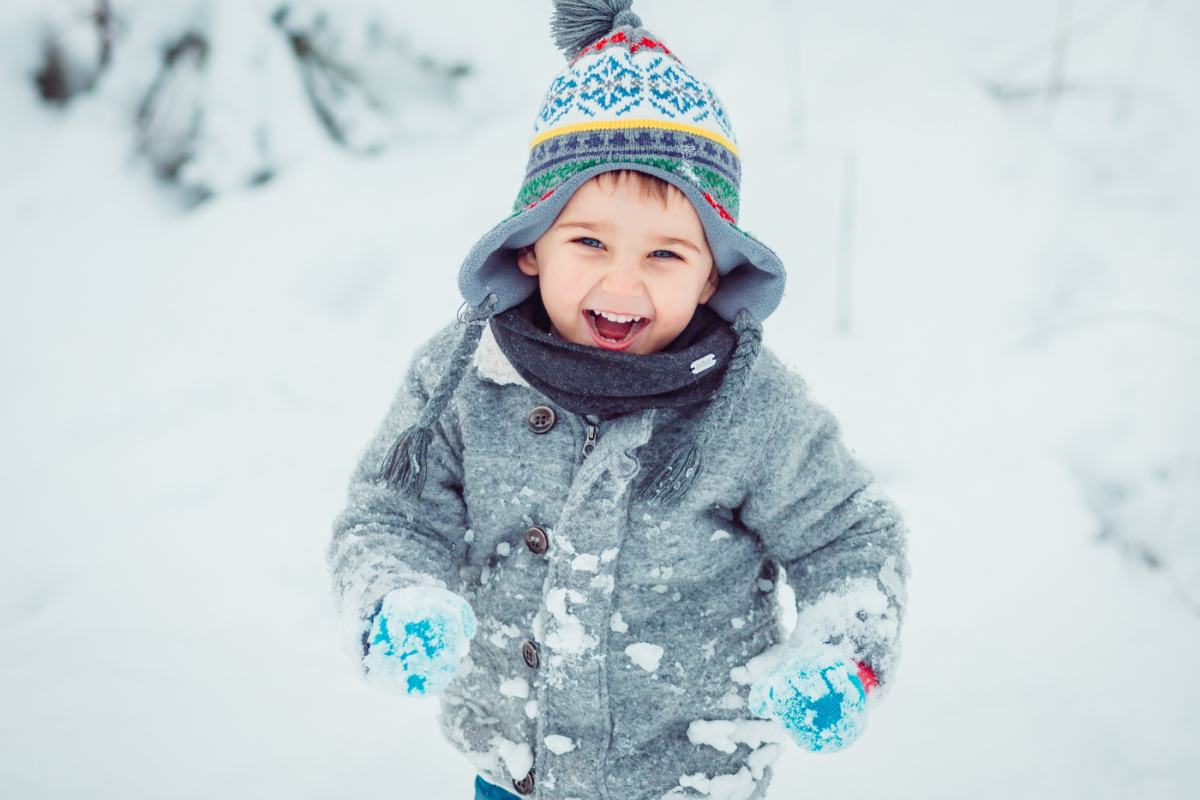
[[586, 379], [403, 466]]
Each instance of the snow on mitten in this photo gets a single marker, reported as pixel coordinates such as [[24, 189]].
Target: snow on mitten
[[417, 640], [821, 699]]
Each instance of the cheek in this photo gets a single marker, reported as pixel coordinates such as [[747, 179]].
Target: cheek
[[562, 292], [566, 280], [670, 325], [676, 300]]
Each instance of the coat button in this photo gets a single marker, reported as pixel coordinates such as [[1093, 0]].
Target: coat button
[[769, 571], [529, 652], [525, 785], [536, 540], [541, 419]]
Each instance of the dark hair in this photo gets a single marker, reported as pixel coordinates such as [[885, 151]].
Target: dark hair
[[651, 185]]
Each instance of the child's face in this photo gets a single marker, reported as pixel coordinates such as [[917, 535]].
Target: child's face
[[623, 252]]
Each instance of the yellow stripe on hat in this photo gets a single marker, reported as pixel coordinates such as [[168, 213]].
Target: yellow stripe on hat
[[636, 123]]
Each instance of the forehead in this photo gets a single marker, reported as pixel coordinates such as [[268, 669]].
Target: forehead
[[626, 202]]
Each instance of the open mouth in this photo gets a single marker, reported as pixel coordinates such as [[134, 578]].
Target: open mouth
[[614, 331]]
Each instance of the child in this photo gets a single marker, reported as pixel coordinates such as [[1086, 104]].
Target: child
[[570, 524]]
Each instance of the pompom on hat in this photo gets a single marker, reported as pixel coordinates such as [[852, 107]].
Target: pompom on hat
[[624, 101]]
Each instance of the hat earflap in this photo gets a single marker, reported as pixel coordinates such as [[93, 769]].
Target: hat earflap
[[669, 484], [404, 465]]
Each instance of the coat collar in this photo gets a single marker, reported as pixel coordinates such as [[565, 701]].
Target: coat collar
[[491, 363]]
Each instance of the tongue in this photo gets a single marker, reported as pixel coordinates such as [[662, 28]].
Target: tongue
[[613, 330]]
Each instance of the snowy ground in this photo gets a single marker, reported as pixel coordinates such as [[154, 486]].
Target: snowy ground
[[184, 395]]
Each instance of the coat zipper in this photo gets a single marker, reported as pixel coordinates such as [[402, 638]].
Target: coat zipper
[[592, 423]]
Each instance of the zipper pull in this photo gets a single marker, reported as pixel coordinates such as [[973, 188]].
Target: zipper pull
[[589, 443]]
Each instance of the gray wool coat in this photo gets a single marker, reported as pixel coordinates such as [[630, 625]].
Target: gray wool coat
[[612, 634]]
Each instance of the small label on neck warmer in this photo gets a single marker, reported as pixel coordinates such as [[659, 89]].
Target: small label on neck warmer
[[703, 363]]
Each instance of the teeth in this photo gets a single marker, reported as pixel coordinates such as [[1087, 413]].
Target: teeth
[[616, 317]]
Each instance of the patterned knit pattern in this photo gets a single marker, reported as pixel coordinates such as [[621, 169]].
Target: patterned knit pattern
[[628, 98]]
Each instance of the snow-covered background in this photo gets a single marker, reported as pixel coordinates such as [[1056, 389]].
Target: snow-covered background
[[214, 274]]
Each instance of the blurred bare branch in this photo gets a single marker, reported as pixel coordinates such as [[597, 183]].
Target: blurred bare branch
[[77, 47]]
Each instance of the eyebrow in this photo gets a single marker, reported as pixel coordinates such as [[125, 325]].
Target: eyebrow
[[600, 228]]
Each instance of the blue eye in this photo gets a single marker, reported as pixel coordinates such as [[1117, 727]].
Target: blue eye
[[596, 244]]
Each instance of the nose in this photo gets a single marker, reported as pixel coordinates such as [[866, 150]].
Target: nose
[[623, 278]]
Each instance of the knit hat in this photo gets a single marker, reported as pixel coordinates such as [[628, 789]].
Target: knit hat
[[624, 101]]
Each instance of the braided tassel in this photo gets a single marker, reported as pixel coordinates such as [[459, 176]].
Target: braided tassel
[[671, 483], [403, 467]]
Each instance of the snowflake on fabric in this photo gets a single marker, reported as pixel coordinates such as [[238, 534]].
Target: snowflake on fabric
[[616, 83], [610, 85], [675, 92]]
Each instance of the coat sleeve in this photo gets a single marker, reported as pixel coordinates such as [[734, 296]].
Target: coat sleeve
[[384, 539], [821, 515]]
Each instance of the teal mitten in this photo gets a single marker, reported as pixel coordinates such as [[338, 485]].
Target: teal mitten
[[821, 699], [417, 639]]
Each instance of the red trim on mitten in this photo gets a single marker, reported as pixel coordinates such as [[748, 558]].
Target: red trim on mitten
[[867, 676]]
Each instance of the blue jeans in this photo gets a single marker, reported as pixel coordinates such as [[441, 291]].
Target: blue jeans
[[490, 791]]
